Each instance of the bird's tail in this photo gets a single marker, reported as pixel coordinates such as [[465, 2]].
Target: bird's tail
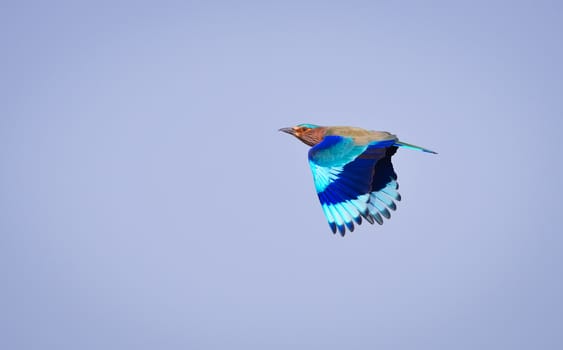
[[409, 146]]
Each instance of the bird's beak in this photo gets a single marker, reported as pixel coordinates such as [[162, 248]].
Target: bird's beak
[[288, 130]]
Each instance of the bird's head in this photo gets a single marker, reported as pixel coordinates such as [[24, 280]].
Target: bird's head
[[310, 134]]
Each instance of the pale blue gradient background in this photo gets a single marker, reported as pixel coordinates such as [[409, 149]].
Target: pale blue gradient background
[[147, 200]]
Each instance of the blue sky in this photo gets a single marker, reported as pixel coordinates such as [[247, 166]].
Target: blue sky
[[148, 201]]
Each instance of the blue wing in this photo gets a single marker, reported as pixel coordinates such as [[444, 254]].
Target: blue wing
[[354, 181]]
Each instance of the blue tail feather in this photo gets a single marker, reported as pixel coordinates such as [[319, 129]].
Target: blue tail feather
[[409, 146]]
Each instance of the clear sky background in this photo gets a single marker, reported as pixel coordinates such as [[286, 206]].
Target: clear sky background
[[147, 200]]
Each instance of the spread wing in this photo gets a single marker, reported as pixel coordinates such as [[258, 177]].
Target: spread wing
[[354, 181]]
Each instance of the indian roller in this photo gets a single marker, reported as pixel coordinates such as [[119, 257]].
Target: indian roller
[[352, 172]]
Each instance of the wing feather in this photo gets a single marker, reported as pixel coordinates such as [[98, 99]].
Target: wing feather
[[345, 177]]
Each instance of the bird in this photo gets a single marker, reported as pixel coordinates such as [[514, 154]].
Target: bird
[[352, 171]]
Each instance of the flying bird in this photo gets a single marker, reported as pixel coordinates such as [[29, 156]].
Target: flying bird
[[352, 172]]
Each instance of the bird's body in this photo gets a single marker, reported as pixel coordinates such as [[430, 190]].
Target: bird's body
[[352, 170]]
